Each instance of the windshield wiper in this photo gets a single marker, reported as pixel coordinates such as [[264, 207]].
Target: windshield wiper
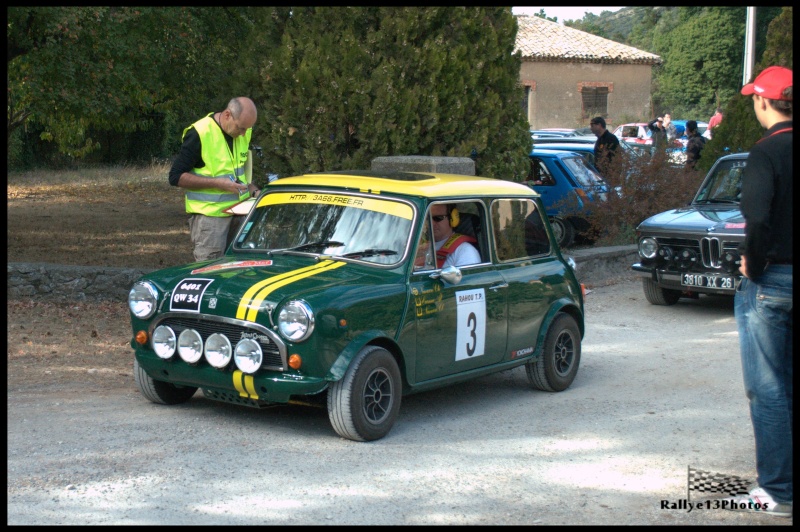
[[718, 200], [368, 253], [321, 244]]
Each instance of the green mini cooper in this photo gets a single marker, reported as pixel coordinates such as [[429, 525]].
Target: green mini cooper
[[335, 291]]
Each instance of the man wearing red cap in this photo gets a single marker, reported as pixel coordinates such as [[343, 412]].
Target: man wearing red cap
[[763, 301]]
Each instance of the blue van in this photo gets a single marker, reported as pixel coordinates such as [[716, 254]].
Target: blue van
[[568, 185]]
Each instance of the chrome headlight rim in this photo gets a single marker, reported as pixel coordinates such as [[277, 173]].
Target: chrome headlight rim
[[143, 292], [190, 353], [243, 356], [218, 355], [296, 321], [648, 247], [164, 342]]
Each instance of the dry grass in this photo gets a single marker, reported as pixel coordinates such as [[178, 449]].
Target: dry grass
[[108, 216]]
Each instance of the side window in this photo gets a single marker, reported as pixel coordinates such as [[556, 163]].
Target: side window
[[539, 174], [519, 230], [452, 234]]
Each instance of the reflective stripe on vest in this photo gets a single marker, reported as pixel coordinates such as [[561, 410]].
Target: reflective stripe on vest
[[450, 246], [220, 163]]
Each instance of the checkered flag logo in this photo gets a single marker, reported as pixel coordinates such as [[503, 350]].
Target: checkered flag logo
[[707, 482]]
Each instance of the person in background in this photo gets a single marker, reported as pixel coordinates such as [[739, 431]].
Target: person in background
[[669, 127], [713, 122], [763, 300], [659, 135], [210, 167], [715, 119], [606, 146], [694, 144]]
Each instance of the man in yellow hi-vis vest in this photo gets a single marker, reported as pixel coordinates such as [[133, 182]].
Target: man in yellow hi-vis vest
[[211, 169]]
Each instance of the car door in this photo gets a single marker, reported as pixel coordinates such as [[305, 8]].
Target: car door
[[526, 262], [459, 326]]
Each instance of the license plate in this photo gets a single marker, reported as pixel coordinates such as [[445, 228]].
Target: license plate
[[720, 282]]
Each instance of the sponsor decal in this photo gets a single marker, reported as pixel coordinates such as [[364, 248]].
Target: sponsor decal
[[236, 264], [371, 204], [734, 226], [188, 295], [521, 352], [251, 302]]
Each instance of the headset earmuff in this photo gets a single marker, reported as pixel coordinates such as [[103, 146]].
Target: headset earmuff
[[455, 219]]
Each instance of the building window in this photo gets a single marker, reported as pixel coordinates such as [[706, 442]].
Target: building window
[[594, 98], [525, 99]]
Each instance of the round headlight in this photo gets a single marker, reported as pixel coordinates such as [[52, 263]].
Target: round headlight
[[648, 247], [142, 299], [248, 356], [296, 321], [164, 341], [190, 346], [218, 350]]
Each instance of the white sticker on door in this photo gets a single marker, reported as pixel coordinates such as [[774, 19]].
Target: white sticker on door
[[471, 329]]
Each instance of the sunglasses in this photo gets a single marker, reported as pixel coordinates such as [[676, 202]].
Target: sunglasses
[[439, 217]]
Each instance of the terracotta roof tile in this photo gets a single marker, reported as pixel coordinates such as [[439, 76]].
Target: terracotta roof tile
[[543, 40]]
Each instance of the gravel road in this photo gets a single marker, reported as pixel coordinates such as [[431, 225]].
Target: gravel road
[[659, 390]]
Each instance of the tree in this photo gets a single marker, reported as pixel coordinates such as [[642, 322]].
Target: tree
[[76, 72], [349, 84], [739, 130]]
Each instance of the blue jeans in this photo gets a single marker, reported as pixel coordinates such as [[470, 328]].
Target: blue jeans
[[763, 309]]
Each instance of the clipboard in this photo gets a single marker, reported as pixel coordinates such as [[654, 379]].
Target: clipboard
[[241, 208]]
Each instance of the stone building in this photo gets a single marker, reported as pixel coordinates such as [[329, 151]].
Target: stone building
[[571, 76]]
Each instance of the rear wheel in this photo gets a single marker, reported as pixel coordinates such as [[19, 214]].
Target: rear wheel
[[364, 404], [657, 295], [563, 231], [556, 367], [160, 392]]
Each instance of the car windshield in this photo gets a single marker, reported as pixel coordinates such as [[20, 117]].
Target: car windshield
[[341, 225], [724, 184], [587, 177]]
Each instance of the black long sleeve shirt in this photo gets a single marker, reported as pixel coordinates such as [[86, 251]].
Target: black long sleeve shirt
[[190, 156], [767, 200]]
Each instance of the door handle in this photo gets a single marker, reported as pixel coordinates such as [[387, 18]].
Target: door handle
[[498, 286]]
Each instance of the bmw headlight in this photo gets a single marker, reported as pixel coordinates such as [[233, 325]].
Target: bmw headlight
[[648, 247], [142, 299], [296, 321]]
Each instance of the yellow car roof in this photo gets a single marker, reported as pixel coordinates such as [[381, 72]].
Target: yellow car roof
[[425, 184]]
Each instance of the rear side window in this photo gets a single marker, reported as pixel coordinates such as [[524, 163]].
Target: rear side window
[[519, 230]]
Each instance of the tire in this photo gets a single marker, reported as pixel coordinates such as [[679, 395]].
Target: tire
[[657, 295], [364, 404], [557, 366], [160, 392], [563, 230]]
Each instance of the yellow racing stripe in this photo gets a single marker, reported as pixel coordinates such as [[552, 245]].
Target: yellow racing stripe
[[245, 302], [249, 385], [237, 383], [262, 295]]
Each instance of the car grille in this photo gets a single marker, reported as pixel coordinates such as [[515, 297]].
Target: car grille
[[208, 325], [710, 249]]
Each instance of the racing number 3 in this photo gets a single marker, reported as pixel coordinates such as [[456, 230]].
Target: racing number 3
[[471, 316]]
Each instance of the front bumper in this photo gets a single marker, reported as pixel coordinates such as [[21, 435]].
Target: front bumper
[[672, 280], [258, 390]]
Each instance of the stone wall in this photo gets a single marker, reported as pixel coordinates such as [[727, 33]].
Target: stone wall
[[58, 282]]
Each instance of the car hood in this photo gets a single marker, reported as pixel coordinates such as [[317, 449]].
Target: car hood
[[248, 289], [718, 219]]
